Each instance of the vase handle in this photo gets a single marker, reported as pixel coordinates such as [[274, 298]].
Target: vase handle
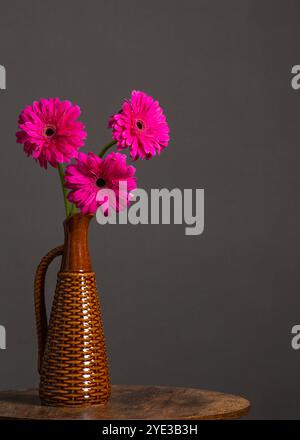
[[39, 301]]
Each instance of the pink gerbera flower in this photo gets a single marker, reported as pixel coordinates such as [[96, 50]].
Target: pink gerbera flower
[[140, 125], [50, 131], [91, 173]]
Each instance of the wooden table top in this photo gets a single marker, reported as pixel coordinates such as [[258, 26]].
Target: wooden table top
[[131, 402]]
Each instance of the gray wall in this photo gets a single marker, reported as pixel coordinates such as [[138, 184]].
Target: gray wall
[[213, 311]]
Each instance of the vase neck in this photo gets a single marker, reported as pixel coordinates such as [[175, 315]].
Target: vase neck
[[76, 256]]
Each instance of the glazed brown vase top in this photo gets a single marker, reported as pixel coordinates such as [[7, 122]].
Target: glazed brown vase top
[[73, 363]]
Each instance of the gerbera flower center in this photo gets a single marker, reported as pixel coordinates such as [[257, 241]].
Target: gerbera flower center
[[100, 182], [140, 124], [49, 131]]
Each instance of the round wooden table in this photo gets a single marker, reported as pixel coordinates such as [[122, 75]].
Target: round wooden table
[[131, 402]]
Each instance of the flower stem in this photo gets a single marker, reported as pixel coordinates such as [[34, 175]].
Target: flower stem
[[106, 147], [73, 209], [64, 190]]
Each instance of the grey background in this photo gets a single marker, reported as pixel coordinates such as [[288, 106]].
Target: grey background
[[213, 311]]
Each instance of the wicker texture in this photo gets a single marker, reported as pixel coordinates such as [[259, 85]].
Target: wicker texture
[[75, 370]]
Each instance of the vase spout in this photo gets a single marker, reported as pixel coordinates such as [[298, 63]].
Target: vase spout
[[76, 256]]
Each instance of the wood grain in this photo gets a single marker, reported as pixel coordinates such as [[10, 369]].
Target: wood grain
[[131, 402]]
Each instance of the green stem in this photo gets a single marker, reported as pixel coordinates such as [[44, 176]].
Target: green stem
[[73, 208], [106, 147], [64, 190]]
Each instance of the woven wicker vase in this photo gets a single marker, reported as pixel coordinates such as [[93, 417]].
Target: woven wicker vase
[[72, 354]]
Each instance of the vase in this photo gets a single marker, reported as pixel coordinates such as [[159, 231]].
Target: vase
[[72, 358]]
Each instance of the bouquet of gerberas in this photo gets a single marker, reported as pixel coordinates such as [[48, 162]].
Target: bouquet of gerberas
[[51, 133], [73, 363]]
